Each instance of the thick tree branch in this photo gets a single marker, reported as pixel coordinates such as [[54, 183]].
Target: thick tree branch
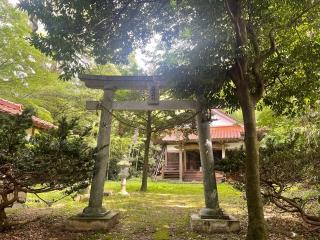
[[293, 205], [239, 70]]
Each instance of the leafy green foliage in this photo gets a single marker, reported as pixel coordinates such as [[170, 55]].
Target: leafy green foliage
[[293, 71], [90, 21], [111, 33], [59, 159], [28, 77], [289, 171], [63, 157], [234, 162], [13, 132]]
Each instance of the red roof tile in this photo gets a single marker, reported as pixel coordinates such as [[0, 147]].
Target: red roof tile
[[217, 133], [15, 108], [10, 107], [222, 127], [226, 132], [39, 123]]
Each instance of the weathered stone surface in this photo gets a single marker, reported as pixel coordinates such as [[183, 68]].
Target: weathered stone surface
[[79, 223], [229, 224], [95, 207], [209, 213], [82, 197], [207, 160]]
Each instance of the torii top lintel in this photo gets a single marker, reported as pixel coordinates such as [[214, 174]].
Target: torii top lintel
[[123, 82]]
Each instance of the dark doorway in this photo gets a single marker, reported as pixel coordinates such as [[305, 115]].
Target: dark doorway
[[193, 161], [217, 154]]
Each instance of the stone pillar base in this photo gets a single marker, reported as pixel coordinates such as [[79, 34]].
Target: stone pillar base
[[124, 194], [80, 223], [227, 224]]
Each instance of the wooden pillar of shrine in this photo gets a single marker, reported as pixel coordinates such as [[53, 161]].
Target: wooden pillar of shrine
[[180, 164]]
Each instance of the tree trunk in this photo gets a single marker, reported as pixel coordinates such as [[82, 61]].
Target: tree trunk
[[256, 222], [3, 220], [144, 183], [240, 77]]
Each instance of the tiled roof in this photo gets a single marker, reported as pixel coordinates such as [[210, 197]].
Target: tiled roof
[[227, 132], [10, 107], [39, 123], [222, 127], [217, 134], [15, 108]]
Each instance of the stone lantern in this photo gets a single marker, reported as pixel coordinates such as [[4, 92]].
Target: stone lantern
[[124, 165]]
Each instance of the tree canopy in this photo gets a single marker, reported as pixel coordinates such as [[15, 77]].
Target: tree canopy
[[195, 34], [248, 52]]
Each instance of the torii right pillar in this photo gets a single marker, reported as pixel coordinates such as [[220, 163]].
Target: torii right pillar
[[212, 209], [211, 218]]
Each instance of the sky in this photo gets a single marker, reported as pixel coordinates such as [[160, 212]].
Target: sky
[[14, 2], [146, 58]]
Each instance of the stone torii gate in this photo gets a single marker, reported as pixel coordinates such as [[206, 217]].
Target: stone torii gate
[[95, 216]]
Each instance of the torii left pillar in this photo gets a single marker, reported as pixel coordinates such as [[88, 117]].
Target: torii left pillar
[[95, 216]]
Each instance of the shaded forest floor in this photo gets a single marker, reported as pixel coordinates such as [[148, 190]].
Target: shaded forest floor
[[162, 213]]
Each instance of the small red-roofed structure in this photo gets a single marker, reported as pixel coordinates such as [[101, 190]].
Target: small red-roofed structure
[[182, 156], [41, 124], [11, 108]]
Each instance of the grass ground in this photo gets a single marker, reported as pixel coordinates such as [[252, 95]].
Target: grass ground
[[161, 213]]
